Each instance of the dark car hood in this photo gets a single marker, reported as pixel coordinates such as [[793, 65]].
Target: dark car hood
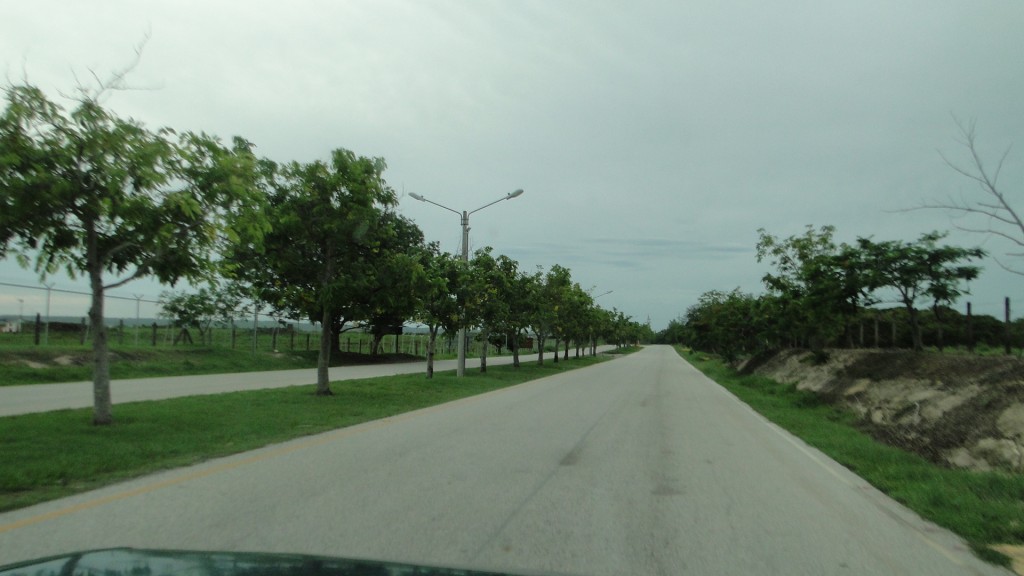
[[133, 562]]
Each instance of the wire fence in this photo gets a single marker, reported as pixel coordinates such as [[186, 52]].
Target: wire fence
[[52, 315]]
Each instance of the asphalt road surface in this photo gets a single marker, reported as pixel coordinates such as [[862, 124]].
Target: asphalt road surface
[[640, 465], [24, 399]]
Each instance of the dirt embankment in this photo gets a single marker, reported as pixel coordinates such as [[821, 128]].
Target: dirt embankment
[[958, 410]]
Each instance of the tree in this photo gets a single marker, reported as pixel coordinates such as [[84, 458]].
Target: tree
[[577, 318], [489, 297], [522, 302], [398, 271], [996, 216], [317, 261], [821, 285], [552, 288], [919, 270], [439, 308], [200, 310], [107, 198]]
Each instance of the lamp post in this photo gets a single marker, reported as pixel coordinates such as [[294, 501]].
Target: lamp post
[[593, 339], [464, 215]]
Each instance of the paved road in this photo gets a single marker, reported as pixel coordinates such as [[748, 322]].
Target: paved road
[[46, 397], [636, 466]]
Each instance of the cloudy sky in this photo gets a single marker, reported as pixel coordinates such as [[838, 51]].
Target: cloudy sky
[[653, 138]]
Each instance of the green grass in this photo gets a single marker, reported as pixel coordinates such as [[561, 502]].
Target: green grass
[[50, 455], [985, 508], [185, 360], [624, 350], [139, 362]]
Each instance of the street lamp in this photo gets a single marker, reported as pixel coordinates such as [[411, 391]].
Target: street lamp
[[465, 256], [593, 339]]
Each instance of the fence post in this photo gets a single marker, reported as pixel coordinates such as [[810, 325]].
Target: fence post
[[120, 332], [1006, 329], [154, 334], [307, 341], [255, 327], [970, 329], [39, 327]]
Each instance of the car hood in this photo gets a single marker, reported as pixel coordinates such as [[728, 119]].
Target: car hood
[[135, 562]]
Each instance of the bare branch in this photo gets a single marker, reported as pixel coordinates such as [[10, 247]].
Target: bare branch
[[1003, 220], [116, 81]]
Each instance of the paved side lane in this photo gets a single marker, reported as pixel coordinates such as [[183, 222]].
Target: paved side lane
[[26, 399]]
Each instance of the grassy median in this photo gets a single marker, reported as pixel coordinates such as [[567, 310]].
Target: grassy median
[[54, 454], [985, 508]]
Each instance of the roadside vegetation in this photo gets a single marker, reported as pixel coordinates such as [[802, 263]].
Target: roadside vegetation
[[50, 455], [35, 365], [111, 200], [985, 508]]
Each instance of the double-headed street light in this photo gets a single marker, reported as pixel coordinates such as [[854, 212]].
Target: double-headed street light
[[465, 256]]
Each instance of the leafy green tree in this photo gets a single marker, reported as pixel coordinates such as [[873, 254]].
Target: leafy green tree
[[438, 306], [398, 273], [674, 333], [200, 310], [920, 270], [552, 289], [577, 317], [725, 323], [106, 198], [489, 300], [522, 301], [318, 260], [621, 329], [821, 286]]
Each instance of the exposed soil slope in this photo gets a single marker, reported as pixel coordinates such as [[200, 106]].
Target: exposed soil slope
[[955, 409]]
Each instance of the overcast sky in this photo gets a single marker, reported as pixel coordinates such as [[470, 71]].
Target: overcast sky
[[653, 138]]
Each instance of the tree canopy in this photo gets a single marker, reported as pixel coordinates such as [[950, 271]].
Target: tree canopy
[[104, 197]]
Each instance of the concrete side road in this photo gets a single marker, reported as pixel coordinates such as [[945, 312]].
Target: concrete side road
[[46, 397], [638, 466]]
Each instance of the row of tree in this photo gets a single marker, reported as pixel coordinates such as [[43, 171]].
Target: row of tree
[[820, 292], [104, 197]]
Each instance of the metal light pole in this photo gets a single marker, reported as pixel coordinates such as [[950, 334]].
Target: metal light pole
[[593, 339], [464, 215]]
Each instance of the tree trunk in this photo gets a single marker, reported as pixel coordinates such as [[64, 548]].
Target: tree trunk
[[431, 346], [323, 380], [540, 350], [102, 403], [485, 336], [336, 325], [566, 355], [558, 345], [515, 350], [915, 329]]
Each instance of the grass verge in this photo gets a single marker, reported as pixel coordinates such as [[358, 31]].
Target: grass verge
[[55, 364], [55, 454], [34, 365], [985, 508]]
